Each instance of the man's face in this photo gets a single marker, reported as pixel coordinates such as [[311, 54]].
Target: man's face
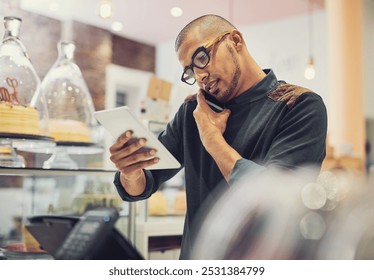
[[215, 63]]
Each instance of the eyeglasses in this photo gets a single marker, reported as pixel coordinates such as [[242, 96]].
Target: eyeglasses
[[200, 59]]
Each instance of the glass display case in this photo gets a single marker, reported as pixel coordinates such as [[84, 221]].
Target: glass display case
[[69, 102], [23, 111], [70, 109], [27, 192]]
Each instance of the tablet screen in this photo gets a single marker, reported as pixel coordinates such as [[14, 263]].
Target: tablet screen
[[118, 120]]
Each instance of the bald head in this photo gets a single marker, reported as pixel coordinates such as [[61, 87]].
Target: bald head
[[208, 24]]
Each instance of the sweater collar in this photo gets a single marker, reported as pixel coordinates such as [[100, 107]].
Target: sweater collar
[[258, 91]]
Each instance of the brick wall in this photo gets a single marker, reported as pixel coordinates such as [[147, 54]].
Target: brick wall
[[133, 54], [93, 52]]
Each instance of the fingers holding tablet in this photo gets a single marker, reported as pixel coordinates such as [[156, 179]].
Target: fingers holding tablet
[[135, 144], [131, 152]]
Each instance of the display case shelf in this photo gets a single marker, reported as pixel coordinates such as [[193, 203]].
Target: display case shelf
[[53, 172]]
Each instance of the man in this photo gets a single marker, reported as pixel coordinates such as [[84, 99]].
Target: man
[[264, 123]]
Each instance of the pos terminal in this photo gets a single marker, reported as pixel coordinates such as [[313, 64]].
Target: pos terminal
[[91, 236]]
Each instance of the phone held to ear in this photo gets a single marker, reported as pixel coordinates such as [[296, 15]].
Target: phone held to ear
[[213, 103]]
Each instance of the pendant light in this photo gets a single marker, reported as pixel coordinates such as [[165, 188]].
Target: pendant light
[[105, 9]]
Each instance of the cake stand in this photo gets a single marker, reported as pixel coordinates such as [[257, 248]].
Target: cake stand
[[60, 158], [11, 142]]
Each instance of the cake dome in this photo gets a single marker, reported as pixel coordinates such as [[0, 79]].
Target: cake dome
[[69, 103], [23, 110]]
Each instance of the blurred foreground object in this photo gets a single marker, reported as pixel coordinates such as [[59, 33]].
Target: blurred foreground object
[[278, 215]]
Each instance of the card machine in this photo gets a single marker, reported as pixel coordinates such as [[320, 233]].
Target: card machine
[[84, 239], [90, 236]]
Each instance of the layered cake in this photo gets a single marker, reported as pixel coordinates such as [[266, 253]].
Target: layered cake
[[18, 119], [180, 205], [160, 204], [157, 204], [69, 131]]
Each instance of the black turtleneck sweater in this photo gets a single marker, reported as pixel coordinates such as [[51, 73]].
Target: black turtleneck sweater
[[271, 124]]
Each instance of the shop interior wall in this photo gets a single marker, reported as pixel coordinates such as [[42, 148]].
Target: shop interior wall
[[369, 58], [369, 72]]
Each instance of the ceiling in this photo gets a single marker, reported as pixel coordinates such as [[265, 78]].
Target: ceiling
[[150, 22]]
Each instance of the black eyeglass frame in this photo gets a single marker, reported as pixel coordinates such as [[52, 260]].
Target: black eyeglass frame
[[204, 49]]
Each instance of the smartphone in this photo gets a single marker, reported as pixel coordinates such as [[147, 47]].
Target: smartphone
[[214, 103]]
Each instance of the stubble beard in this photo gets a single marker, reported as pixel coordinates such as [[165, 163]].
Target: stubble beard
[[229, 93]]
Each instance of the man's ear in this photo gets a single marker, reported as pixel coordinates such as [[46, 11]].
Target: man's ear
[[237, 39]]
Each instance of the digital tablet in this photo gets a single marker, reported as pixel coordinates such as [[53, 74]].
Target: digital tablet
[[118, 120]]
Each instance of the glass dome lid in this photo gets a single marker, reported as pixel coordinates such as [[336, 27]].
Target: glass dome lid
[[23, 110], [69, 103]]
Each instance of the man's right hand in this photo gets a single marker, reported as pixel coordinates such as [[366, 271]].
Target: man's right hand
[[130, 156]]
